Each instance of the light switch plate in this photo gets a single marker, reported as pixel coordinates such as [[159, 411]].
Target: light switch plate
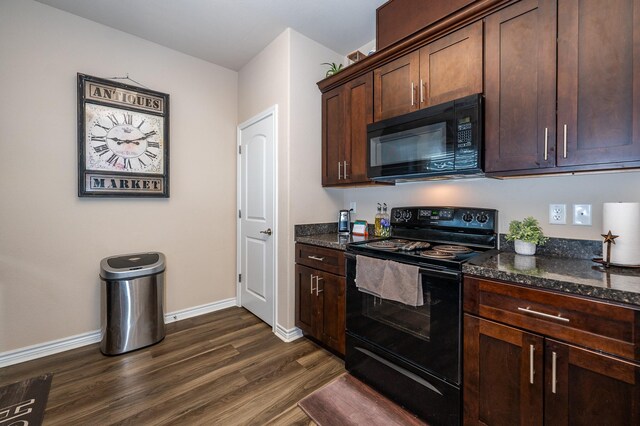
[[582, 214], [557, 214]]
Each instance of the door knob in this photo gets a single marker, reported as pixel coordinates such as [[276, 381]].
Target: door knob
[[268, 231]]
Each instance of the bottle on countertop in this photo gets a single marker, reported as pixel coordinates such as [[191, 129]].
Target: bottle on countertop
[[385, 222], [378, 224]]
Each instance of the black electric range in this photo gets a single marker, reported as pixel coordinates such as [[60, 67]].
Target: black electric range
[[412, 354]]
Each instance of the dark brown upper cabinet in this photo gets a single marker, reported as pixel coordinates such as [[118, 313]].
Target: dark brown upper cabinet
[[598, 82], [597, 75], [520, 86], [445, 69], [346, 111]]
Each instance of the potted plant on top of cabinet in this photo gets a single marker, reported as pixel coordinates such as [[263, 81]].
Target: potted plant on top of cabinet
[[526, 235]]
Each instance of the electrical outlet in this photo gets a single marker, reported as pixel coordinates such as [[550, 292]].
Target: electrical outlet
[[352, 206], [582, 214], [557, 214]]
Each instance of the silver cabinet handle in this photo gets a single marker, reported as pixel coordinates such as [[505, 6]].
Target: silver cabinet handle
[[267, 231], [344, 169], [554, 362], [531, 370], [546, 142], [542, 314], [421, 92], [565, 141], [318, 285], [312, 277], [319, 259], [339, 171], [412, 90]]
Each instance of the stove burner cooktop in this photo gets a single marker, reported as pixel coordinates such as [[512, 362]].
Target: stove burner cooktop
[[435, 254], [441, 237], [399, 245], [453, 249]]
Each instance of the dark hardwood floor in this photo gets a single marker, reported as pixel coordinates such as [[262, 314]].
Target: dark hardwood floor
[[223, 368]]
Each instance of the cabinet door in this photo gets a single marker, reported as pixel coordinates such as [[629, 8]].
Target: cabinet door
[[586, 388], [598, 81], [359, 113], [395, 87], [520, 86], [503, 380], [331, 289], [333, 134], [307, 306], [451, 67]]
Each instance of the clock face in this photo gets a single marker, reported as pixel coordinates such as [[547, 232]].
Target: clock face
[[123, 141]]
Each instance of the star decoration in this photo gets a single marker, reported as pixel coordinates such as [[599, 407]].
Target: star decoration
[[609, 237]]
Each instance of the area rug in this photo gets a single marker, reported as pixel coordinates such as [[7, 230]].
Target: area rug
[[348, 401], [23, 403]]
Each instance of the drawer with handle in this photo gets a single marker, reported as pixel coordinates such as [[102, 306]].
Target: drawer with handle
[[322, 258], [586, 322]]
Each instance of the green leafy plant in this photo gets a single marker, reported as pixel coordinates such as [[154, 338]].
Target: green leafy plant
[[526, 230], [333, 68]]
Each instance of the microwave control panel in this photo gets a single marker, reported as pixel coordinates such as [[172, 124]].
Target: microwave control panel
[[464, 132]]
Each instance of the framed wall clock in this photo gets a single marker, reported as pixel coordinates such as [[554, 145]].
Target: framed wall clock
[[123, 140]]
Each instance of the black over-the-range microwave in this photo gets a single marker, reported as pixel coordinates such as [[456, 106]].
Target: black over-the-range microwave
[[439, 142]]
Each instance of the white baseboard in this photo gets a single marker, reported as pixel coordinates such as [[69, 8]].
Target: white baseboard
[[287, 335], [67, 343], [199, 310], [49, 348]]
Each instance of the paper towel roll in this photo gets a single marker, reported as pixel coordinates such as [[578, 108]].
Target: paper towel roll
[[622, 219]]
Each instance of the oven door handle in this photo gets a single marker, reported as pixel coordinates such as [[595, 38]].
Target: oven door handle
[[440, 273]]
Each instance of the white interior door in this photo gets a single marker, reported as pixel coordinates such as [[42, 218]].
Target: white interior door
[[257, 139]]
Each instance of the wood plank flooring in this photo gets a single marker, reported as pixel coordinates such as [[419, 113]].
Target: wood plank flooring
[[223, 368]]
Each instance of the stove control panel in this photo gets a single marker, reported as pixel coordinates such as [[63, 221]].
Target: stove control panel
[[445, 217]]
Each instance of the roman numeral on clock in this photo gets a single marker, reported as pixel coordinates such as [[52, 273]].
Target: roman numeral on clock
[[101, 149], [142, 162], [127, 163], [113, 159], [128, 119], [113, 119], [153, 144], [99, 138], [141, 123], [150, 154]]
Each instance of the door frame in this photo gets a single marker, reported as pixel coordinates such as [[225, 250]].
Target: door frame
[[273, 111]]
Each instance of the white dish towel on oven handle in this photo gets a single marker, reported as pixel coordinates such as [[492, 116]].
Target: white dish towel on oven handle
[[389, 280]]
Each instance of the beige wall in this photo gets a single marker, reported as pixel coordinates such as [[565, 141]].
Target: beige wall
[[51, 241], [514, 198], [285, 73]]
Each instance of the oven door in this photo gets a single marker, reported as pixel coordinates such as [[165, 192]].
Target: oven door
[[426, 336]]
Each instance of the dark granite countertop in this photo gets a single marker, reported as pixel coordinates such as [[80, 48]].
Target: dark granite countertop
[[332, 240], [580, 277]]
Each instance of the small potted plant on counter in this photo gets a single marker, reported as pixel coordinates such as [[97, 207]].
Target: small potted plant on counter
[[526, 235]]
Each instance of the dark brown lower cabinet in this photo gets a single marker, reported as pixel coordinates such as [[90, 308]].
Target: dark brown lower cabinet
[[320, 303], [512, 377], [588, 388]]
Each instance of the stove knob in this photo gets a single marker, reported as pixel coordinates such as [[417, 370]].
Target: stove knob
[[398, 215], [467, 217], [408, 215], [482, 218]]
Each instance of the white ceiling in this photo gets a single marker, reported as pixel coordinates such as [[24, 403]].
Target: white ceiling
[[231, 32]]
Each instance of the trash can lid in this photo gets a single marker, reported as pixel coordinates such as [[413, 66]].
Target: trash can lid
[[127, 266]]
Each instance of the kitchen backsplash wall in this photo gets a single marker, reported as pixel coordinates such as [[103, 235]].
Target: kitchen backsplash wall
[[514, 198]]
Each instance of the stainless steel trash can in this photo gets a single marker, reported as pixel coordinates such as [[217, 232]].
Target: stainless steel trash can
[[132, 301]]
